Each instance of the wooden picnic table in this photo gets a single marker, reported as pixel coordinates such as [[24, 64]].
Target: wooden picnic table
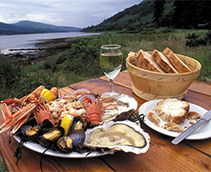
[[161, 156]]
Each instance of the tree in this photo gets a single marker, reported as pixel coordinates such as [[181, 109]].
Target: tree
[[158, 11]]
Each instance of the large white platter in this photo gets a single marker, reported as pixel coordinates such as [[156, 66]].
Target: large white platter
[[40, 149], [201, 133]]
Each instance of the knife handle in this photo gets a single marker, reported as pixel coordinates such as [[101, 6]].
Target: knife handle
[[188, 132]]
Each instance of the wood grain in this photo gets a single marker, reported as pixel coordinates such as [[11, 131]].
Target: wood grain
[[30, 160], [193, 96], [162, 155]]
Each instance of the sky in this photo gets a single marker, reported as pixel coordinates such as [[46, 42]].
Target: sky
[[79, 13]]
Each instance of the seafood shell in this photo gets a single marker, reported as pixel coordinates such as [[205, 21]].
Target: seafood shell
[[125, 135], [122, 103]]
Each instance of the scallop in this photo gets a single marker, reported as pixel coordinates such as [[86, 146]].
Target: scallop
[[125, 135]]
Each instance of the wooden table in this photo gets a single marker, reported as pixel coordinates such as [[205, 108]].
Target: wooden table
[[162, 155]]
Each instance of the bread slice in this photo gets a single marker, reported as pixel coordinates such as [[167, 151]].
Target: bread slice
[[146, 61], [180, 66], [163, 62], [132, 59], [172, 110]]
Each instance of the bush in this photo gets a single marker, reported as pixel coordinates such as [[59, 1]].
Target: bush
[[9, 72], [194, 40], [208, 37]]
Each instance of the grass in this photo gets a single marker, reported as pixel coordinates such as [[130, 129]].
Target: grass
[[81, 60]]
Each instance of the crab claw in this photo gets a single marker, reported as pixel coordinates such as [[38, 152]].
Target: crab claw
[[11, 101]]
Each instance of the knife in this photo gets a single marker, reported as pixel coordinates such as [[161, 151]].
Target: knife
[[206, 117]]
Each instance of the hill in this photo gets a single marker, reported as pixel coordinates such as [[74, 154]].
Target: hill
[[159, 13], [26, 26], [137, 16]]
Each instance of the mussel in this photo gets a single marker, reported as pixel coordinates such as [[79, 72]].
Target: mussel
[[79, 124], [50, 137], [29, 131], [72, 141]]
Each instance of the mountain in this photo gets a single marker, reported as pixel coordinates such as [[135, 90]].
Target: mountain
[[26, 26], [136, 16], [159, 13]]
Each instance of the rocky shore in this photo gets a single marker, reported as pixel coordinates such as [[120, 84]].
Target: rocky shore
[[40, 50]]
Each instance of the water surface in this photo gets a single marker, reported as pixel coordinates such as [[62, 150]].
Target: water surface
[[27, 40]]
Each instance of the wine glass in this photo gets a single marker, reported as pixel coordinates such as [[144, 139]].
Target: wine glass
[[111, 61]]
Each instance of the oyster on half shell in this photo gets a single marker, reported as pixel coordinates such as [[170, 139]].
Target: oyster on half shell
[[115, 104], [125, 135]]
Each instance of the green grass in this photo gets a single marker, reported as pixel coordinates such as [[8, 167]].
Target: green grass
[[81, 60]]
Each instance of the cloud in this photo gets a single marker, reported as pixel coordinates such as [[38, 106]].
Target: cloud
[[80, 13]]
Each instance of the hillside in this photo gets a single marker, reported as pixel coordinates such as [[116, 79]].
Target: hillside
[[137, 16], [26, 26], [159, 13]]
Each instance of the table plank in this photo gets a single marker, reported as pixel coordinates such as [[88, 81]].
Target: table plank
[[124, 80], [162, 155], [192, 96], [167, 156], [30, 160]]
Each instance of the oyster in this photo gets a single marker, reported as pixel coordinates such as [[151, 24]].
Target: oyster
[[125, 135], [115, 104]]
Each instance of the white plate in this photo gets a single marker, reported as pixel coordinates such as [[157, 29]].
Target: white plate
[[40, 149], [201, 133]]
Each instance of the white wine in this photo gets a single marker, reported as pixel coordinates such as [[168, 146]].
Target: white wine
[[111, 64]]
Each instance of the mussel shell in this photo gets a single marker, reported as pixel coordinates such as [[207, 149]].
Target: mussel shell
[[73, 141], [30, 131], [47, 124], [65, 144], [78, 137], [49, 137], [79, 124], [53, 134]]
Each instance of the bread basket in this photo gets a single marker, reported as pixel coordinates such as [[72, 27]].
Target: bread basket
[[153, 85]]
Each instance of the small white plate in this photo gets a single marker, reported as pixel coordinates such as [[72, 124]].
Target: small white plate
[[202, 133]]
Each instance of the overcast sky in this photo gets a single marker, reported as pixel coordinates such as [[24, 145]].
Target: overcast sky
[[80, 13]]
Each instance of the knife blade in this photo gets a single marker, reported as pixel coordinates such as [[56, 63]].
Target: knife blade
[[206, 117]]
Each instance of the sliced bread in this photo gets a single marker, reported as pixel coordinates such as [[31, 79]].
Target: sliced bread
[[132, 59], [146, 61], [172, 110], [163, 62], [180, 66]]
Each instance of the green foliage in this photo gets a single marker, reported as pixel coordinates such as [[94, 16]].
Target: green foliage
[[9, 72], [158, 10], [81, 61], [194, 40], [159, 13]]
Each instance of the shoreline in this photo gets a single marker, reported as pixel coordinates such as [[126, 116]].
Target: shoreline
[[40, 49]]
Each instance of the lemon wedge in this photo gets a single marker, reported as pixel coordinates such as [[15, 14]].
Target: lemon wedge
[[47, 95], [66, 123]]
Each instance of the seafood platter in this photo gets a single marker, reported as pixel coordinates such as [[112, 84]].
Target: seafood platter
[[78, 125]]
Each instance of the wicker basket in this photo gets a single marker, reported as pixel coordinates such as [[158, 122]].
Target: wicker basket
[[152, 85]]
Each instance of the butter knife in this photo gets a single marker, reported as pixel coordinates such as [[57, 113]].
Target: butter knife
[[206, 117]]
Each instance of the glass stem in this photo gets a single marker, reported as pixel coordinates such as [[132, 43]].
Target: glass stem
[[111, 85]]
